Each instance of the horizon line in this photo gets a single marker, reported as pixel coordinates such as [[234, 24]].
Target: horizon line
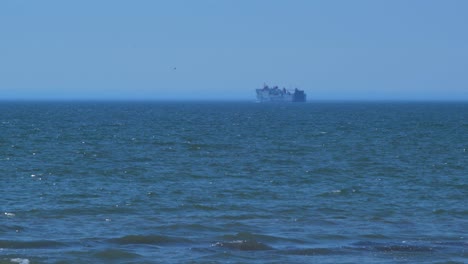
[[136, 100]]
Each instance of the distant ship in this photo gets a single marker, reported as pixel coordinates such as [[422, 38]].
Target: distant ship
[[275, 94]]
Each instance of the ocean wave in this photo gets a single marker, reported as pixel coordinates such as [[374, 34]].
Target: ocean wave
[[375, 236], [337, 192], [450, 212], [453, 243], [251, 241], [450, 262], [87, 211], [115, 254], [9, 228], [246, 236], [146, 240], [398, 247], [11, 244], [314, 251], [245, 216], [247, 245], [19, 261], [190, 227]]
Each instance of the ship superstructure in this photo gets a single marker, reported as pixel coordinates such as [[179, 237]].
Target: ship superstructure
[[276, 94]]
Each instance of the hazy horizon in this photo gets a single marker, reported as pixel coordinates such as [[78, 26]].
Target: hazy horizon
[[223, 50], [228, 100]]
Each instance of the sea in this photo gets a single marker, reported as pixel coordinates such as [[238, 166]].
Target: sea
[[233, 182]]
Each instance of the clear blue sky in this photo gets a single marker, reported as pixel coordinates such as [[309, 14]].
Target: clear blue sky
[[224, 49]]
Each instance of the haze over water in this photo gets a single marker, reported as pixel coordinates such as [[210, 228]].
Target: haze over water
[[233, 182]]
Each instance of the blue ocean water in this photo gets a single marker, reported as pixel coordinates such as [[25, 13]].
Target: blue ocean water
[[234, 182]]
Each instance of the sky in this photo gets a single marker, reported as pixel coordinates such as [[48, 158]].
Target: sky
[[225, 49]]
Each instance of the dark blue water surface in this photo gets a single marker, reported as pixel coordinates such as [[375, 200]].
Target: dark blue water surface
[[233, 182]]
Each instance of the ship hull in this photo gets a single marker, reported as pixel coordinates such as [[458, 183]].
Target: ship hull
[[275, 94]]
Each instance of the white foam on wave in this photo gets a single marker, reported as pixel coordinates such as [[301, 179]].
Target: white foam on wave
[[10, 214], [20, 261]]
